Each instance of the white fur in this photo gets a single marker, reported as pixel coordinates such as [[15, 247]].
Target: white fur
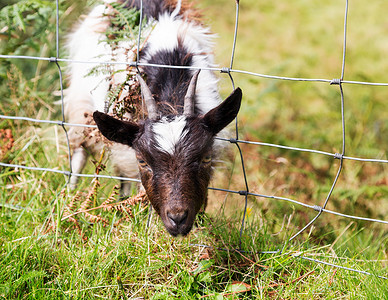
[[87, 43], [169, 133], [86, 94]]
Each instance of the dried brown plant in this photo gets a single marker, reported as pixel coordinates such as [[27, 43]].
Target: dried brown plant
[[81, 205], [6, 142]]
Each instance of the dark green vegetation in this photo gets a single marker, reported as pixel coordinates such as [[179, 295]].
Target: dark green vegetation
[[49, 249]]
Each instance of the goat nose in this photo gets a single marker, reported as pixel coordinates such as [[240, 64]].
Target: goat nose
[[177, 218]]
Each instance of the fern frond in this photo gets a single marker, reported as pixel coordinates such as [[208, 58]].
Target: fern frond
[[96, 218]]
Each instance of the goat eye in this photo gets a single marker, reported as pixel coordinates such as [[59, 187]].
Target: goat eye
[[142, 163], [206, 159]]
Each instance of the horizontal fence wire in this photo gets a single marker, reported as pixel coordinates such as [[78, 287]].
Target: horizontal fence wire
[[228, 70], [214, 69]]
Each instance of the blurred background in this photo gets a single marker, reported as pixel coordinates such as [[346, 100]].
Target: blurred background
[[304, 39]]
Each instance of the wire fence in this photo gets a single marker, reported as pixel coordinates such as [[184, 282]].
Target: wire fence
[[319, 209]]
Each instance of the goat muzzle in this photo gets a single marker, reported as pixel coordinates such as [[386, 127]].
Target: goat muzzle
[[178, 222]]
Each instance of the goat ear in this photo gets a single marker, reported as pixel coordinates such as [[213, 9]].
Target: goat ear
[[115, 130], [219, 117]]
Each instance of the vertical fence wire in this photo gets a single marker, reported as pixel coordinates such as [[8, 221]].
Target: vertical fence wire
[[229, 70], [61, 88], [245, 193]]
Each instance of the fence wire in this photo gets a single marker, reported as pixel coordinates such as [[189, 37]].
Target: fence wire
[[236, 140]]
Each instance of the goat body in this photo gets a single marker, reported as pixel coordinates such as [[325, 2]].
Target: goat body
[[174, 146]]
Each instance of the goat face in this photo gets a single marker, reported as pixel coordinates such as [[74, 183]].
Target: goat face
[[174, 154], [175, 169]]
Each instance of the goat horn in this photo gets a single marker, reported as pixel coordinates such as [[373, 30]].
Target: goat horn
[[189, 104], [148, 98]]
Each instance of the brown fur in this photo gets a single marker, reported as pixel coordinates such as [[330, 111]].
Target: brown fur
[[188, 9]]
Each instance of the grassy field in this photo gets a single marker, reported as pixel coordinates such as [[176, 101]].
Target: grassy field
[[51, 249]]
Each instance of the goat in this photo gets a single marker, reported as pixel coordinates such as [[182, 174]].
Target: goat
[[174, 147]]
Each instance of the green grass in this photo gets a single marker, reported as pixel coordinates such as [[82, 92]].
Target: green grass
[[131, 260], [46, 255]]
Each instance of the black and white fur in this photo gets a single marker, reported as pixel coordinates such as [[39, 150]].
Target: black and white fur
[[174, 147]]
